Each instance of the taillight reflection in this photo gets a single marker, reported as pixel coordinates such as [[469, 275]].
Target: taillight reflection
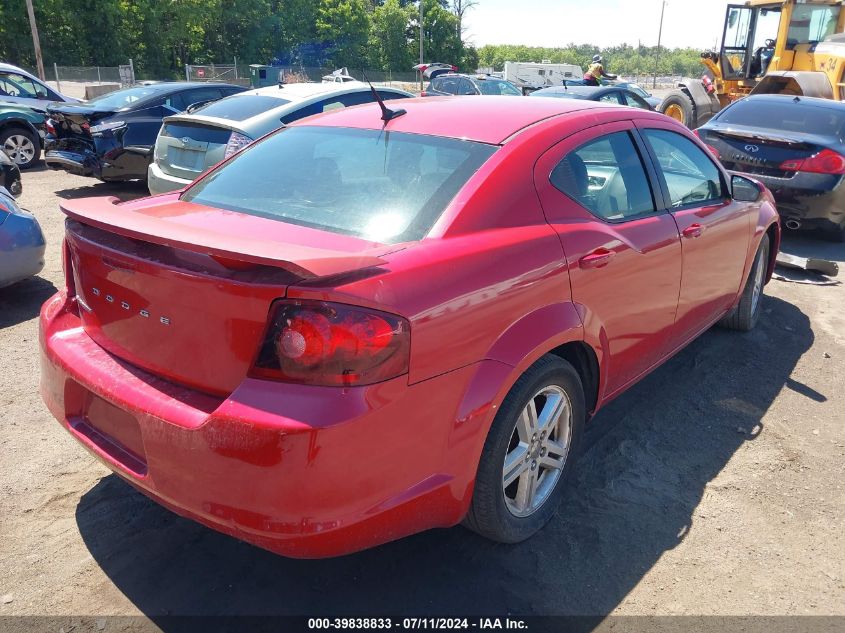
[[320, 343]]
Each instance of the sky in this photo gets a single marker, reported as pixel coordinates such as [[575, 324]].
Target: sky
[[694, 23]]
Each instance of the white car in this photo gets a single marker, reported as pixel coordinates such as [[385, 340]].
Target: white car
[[20, 87], [190, 143]]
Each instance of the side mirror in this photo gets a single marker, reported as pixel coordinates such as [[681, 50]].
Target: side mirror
[[745, 190]]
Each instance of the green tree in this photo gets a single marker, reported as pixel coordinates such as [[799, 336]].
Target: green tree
[[390, 37], [343, 26]]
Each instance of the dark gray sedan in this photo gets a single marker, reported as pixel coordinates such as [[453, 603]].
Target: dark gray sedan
[[604, 94], [22, 243]]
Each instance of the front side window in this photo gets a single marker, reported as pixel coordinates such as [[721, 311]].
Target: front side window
[[611, 97], [384, 187], [691, 177], [607, 177], [636, 102]]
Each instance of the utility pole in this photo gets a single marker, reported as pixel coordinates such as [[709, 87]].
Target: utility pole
[[35, 43], [422, 44], [659, 38]]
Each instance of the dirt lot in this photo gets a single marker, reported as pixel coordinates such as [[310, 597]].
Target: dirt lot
[[713, 487]]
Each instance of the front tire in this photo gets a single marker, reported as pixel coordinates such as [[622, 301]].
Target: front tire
[[529, 453], [747, 312], [677, 105]]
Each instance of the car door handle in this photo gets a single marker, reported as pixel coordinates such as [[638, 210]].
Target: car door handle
[[693, 231], [599, 258]]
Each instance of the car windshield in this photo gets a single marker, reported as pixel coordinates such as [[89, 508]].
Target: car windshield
[[787, 116], [241, 107], [123, 98], [497, 87], [385, 186]]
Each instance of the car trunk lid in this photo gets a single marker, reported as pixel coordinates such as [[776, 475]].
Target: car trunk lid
[[186, 148], [759, 151], [183, 291]]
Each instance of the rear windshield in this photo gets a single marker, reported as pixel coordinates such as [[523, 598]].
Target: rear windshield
[[241, 107], [120, 99], [788, 116], [387, 187]]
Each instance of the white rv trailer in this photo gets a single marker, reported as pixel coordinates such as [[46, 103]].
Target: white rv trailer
[[530, 76]]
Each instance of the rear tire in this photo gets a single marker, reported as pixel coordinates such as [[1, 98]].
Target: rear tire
[[22, 146], [677, 105], [525, 465], [746, 313]]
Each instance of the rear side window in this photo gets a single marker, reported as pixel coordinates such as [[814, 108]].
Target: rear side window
[[182, 100], [787, 116], [607, 177], [384, 187], [465, 87], [447, 84], [691, 177], [497, 87], [241, 107]]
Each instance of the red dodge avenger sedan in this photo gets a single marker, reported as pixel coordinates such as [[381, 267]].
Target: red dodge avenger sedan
[[376, 322]]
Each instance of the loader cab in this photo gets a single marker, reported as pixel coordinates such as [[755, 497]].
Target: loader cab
[[761, 36], [750, 40]]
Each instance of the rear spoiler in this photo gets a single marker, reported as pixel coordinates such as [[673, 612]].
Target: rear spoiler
[[227, 235]]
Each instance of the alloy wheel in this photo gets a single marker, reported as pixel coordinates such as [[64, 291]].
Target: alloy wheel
[[537, 451], [19, 148]]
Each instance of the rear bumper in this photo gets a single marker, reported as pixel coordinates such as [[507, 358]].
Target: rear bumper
[[80, 164], [815, 200], [22, 249], [160, 182], [302, 471]]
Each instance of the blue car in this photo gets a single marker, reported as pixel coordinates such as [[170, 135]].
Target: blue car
[[22, 243]]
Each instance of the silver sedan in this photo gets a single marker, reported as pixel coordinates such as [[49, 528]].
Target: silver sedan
[[22, 243]]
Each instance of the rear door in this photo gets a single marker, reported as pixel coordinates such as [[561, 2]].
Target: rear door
[[622, 247], [715, 230]]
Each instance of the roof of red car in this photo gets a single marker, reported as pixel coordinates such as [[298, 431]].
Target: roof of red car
[[487, 119]]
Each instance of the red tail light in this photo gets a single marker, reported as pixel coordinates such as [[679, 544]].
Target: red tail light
[[712, 149], [320, 343], [825, 162], [48, 125], [423, 94]]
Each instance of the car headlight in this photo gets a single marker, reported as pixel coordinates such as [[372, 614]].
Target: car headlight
[[108, 125], [236, 143]]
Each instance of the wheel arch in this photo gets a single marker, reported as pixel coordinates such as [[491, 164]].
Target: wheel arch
[[5, 124], [554, 329], [15, 122]]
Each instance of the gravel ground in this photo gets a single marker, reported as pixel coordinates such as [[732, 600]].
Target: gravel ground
[[715, 486]]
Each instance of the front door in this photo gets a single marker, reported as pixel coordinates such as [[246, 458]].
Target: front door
[[715, 230], [623, 251]]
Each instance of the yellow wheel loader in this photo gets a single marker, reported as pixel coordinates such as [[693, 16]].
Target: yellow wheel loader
[[794, 47]]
